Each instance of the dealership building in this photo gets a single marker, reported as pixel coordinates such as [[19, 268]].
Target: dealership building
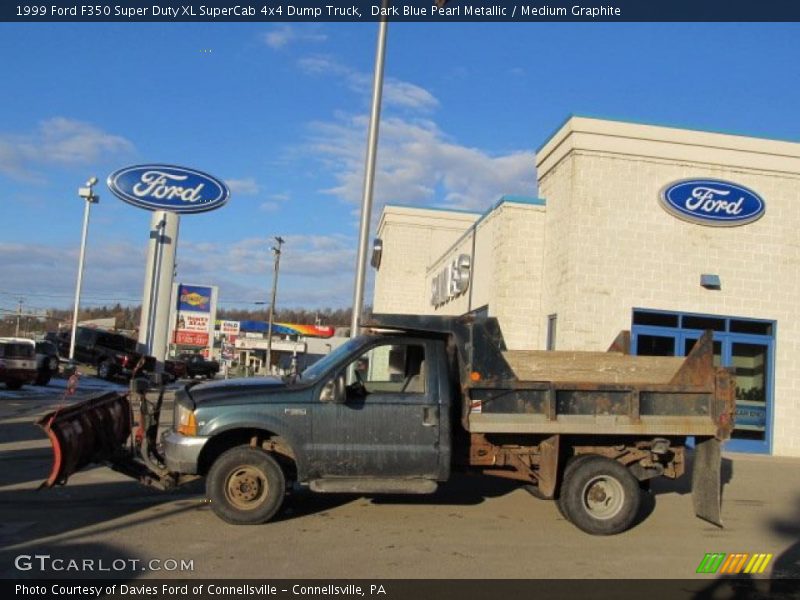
[[662, 231]]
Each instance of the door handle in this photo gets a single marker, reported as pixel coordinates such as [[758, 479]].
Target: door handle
[[430, 416]]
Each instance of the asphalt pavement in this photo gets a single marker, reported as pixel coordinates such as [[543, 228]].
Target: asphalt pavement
[[473, 527]]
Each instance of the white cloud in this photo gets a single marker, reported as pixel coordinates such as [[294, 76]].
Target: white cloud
[[315, 271], [246, 186], [45, 274], [57, 141], [418, 164], [396, 93], [269, 206], [281, 36]]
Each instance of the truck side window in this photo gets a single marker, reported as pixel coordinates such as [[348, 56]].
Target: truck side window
[[389, 368]]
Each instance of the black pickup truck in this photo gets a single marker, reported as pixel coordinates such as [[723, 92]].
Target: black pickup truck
[[113, 354], [396, 410], [198, 366]]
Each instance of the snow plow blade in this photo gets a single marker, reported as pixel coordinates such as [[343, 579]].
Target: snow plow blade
[[92, 431]]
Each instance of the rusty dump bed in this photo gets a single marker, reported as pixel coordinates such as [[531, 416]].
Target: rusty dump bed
[[606, 393], [593, 393]]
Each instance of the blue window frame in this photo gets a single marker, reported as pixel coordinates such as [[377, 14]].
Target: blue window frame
[[747, 345]]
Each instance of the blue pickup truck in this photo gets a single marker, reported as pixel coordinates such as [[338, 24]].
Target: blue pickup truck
[[401, 407]]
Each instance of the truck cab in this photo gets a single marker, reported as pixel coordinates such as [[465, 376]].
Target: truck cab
[[371, 417]]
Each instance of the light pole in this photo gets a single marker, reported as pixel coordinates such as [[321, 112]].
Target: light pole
[[19, 314], [369, 175], [276, 268], [87, 193]]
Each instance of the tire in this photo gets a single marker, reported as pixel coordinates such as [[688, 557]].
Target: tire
[[600, 496], [13, 385], [104, 370], [246, 486], [573, 462]]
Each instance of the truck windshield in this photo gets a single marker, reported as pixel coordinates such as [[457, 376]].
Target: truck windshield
[[337, 356]]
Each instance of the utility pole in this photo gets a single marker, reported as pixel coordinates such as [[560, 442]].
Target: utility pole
[[277, 252], [19, 314]]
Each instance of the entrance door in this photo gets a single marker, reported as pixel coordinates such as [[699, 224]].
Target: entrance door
[[743, 344], [389, 424], [751, 364]]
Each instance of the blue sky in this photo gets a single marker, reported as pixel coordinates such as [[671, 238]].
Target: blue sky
[[280, 113]]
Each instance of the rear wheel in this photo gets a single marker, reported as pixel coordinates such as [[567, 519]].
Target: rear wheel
[[246, 486], [13, 385], [600, 496]]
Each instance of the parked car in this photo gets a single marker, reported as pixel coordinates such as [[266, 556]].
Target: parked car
[[17, 362], [113, 354], [46, 362], [196, 364]]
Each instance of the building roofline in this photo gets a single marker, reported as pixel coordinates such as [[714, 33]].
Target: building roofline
[[664, 125]]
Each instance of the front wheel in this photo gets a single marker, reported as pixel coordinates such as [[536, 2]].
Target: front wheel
[[246, 486], [600, 496]]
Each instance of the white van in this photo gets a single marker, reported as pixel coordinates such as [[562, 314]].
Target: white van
[[17, 362]]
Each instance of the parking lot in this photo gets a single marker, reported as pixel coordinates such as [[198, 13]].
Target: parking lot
[[473, 527]]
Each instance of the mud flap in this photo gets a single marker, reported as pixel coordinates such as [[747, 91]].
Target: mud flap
[[92, 431], [707, 481]]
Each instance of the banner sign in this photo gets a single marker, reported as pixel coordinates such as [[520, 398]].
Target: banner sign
[[195, 314], [190, 338], [430, 11]]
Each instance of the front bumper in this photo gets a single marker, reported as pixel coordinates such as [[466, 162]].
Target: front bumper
[[181, 452]]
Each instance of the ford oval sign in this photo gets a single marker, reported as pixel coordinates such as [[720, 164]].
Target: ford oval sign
[[712, 202], [167, 187]]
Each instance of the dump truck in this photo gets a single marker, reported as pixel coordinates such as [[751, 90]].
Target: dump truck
[[414, 399]]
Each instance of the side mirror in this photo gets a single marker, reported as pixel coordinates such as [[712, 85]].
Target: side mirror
[[328, 393], [334, 391]]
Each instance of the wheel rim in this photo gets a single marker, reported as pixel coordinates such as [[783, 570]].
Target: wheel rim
[[246, 487], [603, 497], [103, 370]]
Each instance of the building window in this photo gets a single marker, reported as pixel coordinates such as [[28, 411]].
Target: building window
[[551, 332]]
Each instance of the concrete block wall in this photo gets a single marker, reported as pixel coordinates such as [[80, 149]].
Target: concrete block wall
[[624, 251], [413, 238]]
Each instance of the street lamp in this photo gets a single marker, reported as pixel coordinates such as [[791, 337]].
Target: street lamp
[[276, 268], [87, 193], [369, 174]]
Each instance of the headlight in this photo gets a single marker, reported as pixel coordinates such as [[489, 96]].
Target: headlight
[[184, 421]]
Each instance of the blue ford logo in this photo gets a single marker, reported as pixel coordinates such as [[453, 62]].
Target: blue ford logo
[[167, 187], [712, 202]]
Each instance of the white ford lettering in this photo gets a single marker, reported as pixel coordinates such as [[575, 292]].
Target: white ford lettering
[[707, 199], [154, 183]]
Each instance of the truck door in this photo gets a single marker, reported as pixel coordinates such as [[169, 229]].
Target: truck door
[[384, 421]]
